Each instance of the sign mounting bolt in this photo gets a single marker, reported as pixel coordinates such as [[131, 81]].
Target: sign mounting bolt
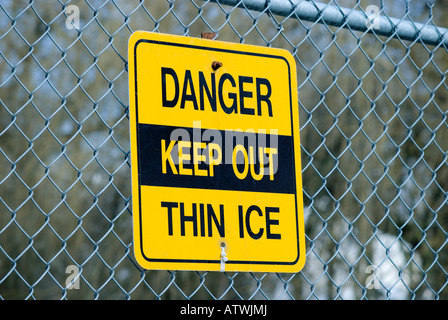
[[216, 65]]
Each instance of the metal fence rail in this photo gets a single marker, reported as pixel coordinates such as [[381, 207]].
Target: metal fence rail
[[355, 19], [374, 133]]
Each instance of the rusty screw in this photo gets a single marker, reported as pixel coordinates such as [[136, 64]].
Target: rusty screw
[[216, 65], [211, 35], [208, 35]]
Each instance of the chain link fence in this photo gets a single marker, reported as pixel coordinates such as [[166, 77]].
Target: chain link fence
[[374, 133]]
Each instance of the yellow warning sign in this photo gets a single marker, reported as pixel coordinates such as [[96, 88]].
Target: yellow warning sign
[[215, 150]]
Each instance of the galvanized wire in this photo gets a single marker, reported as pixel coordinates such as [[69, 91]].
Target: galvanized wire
[[374, 134]]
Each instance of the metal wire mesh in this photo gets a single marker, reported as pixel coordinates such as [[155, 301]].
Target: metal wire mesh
[[374, 133]]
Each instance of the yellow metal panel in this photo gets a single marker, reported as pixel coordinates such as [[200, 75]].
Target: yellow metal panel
[[203, 212]]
